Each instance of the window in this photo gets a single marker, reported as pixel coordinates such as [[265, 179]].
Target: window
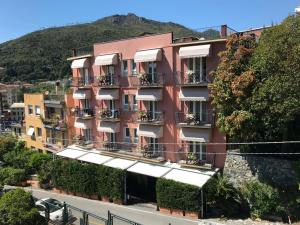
[[198, 66], [152, 72], [198, 148], [127, 135], [86, 104], [134, 103], [39, 132], [133, 68], [124, 68], [30, 109], [153, 144], [126, 102], [197, 108], [112, 137], [87, 133], [136, 137], [37, 110]]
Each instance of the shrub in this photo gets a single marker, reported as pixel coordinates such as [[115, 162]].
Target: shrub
[[17, 207], [263, 199], [7, 144], [175, 195], [36, 160], [12, 176], [18, 159]]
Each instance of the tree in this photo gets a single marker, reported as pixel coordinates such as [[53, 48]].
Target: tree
[[7, 144], [232, 86], [17, 208]]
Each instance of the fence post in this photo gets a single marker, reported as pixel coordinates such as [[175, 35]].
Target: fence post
[[65, 214], [109, 219]]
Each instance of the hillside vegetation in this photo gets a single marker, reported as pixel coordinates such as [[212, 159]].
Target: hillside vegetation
[[41, 55]]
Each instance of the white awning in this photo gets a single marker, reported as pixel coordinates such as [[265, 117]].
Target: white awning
[[118, 163], [194, 134], [103, 60], [83, 124], [150, 131], [82, 94], [80, 63], [148, 55], [193, 94], [95, 158], [30, 131], [18, 105], [188, 176], [72, 152], [194, 51], [149, 169], [109, 127], [149, 94], [107, 94]]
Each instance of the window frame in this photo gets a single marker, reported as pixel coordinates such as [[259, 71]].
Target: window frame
[[30, 109], [126, 138], [124, 72]]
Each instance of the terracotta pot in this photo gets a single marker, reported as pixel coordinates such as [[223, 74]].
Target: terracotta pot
[[94, 197], [164, 210], [119, 202], [192, 215], [105, 199], [177, 212]]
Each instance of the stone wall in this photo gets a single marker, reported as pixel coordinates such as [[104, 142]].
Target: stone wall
[[240, 168]]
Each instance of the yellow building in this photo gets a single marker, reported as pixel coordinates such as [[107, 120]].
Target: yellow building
[[46, 122]]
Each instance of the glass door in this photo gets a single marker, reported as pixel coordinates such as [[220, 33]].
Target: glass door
[[195, 108], [152, 72], [198, 148], [110, 73], [153, 145], [152, 109], [86, 76]]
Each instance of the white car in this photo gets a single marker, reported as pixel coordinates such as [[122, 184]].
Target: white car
[[56, 209]]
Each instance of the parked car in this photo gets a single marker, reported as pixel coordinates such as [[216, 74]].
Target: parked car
[[56, 209]]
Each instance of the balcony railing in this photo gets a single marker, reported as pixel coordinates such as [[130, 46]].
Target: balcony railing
[[153, 150], [195, 119], [52, 121], [84, 113], [107, 81], [82, 82], [150, 80], [109, 114], [150, 117], [17, 123], [83, 141], [54, 98], [192, 78]]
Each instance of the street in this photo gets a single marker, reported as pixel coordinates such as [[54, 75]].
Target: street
[[143, 213]]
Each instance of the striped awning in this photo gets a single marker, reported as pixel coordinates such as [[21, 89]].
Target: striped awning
[[194, 51], [80, 63], [149, 95], [83, 124], [109, 127], [107, 94], [194, 134], [82, 94], [193, 94], [148, 55], [104, 60], [150, 131]]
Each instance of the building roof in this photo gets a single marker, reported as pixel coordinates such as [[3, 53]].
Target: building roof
[[17, 105]]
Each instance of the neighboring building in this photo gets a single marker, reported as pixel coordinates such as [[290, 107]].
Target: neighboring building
[[147, 98], [47, 121], [17, 122]]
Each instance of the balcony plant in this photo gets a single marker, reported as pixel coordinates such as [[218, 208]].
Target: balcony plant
[[190, 118], [192, 158], [144, 79], [143, 115]]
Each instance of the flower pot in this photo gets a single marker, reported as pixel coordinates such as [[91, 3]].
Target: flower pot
[[119, 202], [104, 199], [177, 212], [164, 210], [192, 214]]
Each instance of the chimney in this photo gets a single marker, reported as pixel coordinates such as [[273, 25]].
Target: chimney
[[223, 31], [74, 52]]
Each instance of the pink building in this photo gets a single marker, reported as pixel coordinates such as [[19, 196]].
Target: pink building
[[147, 98]]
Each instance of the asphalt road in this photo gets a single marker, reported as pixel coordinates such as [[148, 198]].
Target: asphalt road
[[143, 213]]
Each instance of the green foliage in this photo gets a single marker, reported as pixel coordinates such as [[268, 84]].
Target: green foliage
[[42, 54], [175, 195], [18, 159], [36, 160], [88, 179], [17, 208], [12, 176], [262, 198], [7, 144], [222, 197]]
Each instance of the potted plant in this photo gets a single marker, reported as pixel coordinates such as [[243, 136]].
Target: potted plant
[[143, 115], [190, 118], [192, 158]]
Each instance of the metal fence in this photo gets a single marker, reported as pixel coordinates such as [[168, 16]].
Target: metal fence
[[118, 220]]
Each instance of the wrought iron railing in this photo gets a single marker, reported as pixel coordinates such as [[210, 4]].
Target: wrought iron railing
[[145, 116], [107, 80], [54, 97], [192, 78], [81, 81], [109, 114], [84, 113], [150, 80], [195, 119], [153, 150]]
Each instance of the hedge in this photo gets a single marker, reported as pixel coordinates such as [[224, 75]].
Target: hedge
[[176, 195], [12, 176], [88, 179]]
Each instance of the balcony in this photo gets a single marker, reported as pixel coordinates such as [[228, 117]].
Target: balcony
[[83, 142], [17, 123], [191, 79], [107, 81], [153, 151], [201, 120], [150, 80], [52, 100], [53, 145], [81, 82], [54, 122], [109, 115], [149, 117], [87, 113], [196, 160]]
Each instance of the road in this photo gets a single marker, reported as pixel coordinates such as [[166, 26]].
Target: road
[[143, 213]]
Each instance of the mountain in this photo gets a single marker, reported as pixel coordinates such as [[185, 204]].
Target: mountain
[[42, 55]]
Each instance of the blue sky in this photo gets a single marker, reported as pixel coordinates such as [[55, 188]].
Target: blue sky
[[18, 17]]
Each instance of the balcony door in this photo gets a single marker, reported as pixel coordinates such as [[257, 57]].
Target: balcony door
[[111, 107], [198, 148], [151, 70], [153, 145], [84, 75], [152, 109], [87, 134], [195, 108], [86, 103], [197, 66], [110, 71]]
